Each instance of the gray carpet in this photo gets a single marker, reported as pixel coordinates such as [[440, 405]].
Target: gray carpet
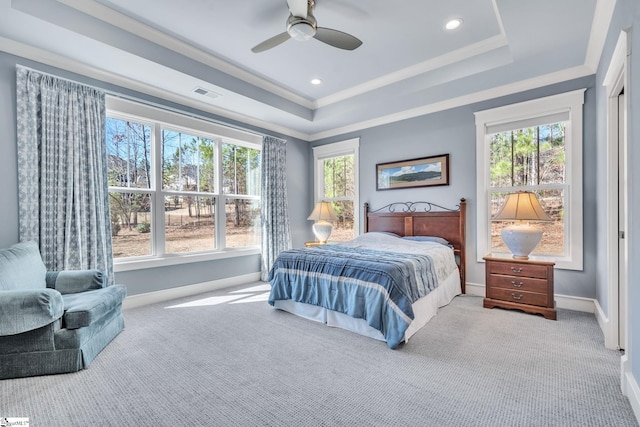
[[241, 363]]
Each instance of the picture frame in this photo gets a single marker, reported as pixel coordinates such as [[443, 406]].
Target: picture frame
[[412, 173]]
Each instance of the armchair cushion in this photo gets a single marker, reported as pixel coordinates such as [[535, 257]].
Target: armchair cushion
[[83, 309], [26, 310], [21, 267], [73, 281]]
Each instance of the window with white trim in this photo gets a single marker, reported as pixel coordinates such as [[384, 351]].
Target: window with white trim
[[336, 181], [533, 146], [179, 185]]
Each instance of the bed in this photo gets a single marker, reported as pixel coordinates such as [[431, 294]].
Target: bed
[[381, 284]]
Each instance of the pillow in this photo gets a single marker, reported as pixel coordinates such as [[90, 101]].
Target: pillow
[[388, 233], [428, 239], [21, 267]]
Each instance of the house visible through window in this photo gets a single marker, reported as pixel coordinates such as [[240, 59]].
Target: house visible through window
[[533, 146], [179, 186], [336, 182]]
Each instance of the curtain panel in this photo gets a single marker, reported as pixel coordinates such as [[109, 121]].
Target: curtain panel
[[62, 172], [275, 229]]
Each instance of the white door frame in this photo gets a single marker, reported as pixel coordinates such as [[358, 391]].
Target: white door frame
[[616, 79]]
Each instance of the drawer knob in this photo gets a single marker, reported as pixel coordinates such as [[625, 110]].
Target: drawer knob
[[517, 284], [517, 297], [516, 270]]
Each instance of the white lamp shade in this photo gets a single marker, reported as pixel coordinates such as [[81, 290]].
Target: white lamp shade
[[323, 211], [522, 206]]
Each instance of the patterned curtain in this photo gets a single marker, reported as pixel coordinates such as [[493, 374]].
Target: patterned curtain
[[62, 172], [275, 232]]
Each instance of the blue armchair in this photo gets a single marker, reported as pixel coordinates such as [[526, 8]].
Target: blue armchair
[[52, 322]]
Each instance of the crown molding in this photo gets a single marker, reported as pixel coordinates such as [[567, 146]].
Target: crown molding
[[449, 58], [133, 26], [55, 60], [72, 65], [508, 89], [458, 55], [599, 29]]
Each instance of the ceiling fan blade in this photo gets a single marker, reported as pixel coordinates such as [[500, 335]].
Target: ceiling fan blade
[[272, 42], [337, 38], [298, 8]]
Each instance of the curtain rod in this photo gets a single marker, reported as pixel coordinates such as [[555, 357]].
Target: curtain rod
[[150, 103]]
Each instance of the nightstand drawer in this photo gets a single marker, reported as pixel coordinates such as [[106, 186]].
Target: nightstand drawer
[[518, 283], [515, 269], [516, 296]]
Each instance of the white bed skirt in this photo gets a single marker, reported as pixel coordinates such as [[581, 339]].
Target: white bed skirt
[[423, 309]]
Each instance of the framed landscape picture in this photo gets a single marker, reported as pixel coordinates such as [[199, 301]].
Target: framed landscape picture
[[423, 172]]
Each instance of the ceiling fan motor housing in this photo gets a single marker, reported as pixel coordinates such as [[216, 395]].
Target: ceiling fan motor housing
[[301, 28]]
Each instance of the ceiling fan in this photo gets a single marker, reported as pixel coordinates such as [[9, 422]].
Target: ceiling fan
[[301, 25]]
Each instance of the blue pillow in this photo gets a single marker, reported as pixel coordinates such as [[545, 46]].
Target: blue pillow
[[21, 267], [428, 239]]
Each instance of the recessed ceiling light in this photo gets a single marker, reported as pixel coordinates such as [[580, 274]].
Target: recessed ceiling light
[[316, 81], [453, 24]]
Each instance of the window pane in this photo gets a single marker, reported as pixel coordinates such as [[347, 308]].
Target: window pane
[[242, 222], [128, 153], [130, 224], [240, 170], [553, 234], [339, 179], [343, 227], [189, 223], [187, 162], [552, 154], [530, 156]]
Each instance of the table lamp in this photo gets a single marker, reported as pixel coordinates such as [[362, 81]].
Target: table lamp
[[322, 214], [521, 237]]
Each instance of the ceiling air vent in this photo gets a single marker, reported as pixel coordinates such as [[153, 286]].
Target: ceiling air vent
[[205, 92]]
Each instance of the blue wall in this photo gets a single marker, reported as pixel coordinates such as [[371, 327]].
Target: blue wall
[[151, 279], [454, 132], [626, 17]]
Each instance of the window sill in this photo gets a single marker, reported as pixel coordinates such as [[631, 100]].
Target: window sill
[[141, 263]]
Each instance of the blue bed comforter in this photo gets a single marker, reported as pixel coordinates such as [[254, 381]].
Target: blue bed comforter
[[368, 284]]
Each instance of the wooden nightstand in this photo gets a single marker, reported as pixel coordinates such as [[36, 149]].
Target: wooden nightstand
[[523, 285]]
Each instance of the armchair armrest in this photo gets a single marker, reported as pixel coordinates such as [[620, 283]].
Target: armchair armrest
[[74, 281], [22, 311]]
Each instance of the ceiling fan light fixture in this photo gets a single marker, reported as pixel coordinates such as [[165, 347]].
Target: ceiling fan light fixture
[[301, 30], [452, 24]]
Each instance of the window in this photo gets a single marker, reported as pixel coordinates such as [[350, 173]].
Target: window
[[336, 181], [534, 146], [179, 185]]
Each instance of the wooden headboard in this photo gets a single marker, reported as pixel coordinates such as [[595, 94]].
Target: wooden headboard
[[423, 219]]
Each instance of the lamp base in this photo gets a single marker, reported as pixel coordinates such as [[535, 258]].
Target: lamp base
[[521, 239], [322, 230]]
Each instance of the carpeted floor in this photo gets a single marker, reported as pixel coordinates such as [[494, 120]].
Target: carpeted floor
[[226, 358]]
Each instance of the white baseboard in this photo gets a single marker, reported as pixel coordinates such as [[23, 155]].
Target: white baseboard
[[474, 289], [575, 303], [587, 305], [630, 387], [610, 337], [187, 290], [568, 302]]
